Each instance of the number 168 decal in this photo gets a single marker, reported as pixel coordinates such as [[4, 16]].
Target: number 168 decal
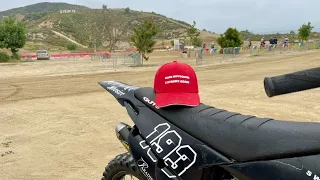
[[167, 144]]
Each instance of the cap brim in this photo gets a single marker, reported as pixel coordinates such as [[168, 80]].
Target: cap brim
[[183, 99]]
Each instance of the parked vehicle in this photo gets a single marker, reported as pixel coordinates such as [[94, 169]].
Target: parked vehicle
[[206, 143], [43, 55]]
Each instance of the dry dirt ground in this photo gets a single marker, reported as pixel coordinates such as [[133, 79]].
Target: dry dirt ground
[[56, 122]]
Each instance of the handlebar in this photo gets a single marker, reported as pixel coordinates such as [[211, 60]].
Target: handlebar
[[293, 82]]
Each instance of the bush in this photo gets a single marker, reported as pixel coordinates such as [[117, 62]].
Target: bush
[[4, 57], [72, 47], [231, 38]]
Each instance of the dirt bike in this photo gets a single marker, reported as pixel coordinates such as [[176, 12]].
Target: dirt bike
[[207, 143]]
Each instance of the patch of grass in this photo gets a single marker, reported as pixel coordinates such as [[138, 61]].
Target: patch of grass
[[4, 57], [72, 47]]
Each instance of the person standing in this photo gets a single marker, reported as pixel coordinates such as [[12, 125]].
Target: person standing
[[271, 40], [212, 47], [262, 42], [286, 41], [204, 46]]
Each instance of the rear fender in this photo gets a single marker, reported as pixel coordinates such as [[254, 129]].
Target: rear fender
[[124, 94], [170, 152], [121, 91]]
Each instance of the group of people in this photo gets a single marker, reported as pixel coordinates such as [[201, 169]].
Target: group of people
[[274, 41], [204, 47]]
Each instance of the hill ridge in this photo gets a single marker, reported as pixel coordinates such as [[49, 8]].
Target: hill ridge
[[40, 7], [46, 24]]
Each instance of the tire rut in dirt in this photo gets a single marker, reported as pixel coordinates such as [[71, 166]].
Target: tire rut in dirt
[[17, 90]]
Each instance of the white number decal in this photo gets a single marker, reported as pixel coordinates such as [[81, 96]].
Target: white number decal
[[187, 157], [168, 145]]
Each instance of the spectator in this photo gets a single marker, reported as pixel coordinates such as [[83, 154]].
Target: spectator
[[182, 46], [262, 43], [212, 47], [271, 40], [286, 41], [275, 41], [204, 46]]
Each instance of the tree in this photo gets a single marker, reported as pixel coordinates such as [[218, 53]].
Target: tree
[[2, 36], [104, 6], [231, 38], [292, 36], [193, 35], [143, 38], [127, 10], [12, 35], [113, 30], [106, 29], [305, 31]]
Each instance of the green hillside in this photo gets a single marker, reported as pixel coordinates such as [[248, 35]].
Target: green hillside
[[89, 26], [85, 24]]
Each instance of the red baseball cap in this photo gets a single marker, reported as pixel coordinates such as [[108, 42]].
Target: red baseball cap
[[176, 84]]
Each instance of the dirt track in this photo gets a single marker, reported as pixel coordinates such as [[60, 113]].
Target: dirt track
[[62, 127]]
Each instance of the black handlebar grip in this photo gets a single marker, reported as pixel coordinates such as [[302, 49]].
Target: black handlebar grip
[[293, 82]]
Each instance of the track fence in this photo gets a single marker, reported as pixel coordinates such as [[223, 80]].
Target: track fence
[[229, 54], [118, 60]]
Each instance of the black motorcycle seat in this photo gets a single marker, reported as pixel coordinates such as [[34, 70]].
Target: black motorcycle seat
[[240, 137]]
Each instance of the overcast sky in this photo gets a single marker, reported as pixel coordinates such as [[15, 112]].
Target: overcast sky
[[262, 16]]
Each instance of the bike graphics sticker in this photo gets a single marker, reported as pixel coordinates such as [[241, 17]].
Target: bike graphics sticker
[[143, 168], [123, 88], [315, 177], [167, 144]]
